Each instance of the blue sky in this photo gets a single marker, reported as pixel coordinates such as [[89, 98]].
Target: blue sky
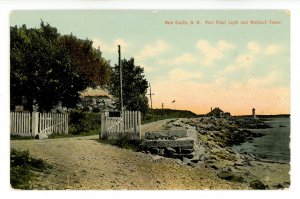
[[234, 67]]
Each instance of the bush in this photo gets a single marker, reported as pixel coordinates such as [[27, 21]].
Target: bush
[[84, 123], [123, 142], [96, 110], [22, 165]]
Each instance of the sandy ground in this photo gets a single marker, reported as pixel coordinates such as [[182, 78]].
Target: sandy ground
[[84, 163]]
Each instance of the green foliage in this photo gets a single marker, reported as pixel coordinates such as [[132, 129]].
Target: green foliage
[[18, 137], [45, 68], [134, 86], [123, 142], [22, 165], [159, 114], [87, 60], [96, 110], [84, 123]]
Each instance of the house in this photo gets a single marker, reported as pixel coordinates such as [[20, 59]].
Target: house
[[217, 112], [99, 102]]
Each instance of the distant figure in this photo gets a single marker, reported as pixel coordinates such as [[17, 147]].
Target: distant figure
[[253, 113]]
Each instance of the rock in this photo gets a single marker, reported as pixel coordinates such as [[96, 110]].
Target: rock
[[41, 136], [168, 143], [257, 184], [227, 169], [215, 167], [186, 151], [154, 150], [171, 149], [185, 161], [168, 152], [225, 175], [237, 178], [214, 150], [166, 134], [161, 151], [279, 186], [238, 164]]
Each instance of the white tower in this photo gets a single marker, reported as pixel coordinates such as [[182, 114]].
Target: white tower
[[253, 113]]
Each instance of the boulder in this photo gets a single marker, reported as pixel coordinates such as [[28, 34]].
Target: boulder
[[41, 136], [257, 184], [186, 151], [226, 175], [154, 150]]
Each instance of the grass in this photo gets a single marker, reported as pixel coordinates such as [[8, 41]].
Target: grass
[[23, 168], [18, 137], [63, 135], [123, 142], [159, 114]]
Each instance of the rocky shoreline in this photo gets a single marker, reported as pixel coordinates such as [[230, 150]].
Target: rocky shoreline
[[216, 136]]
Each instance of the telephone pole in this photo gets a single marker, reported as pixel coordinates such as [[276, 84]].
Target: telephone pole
[[121, 84], [150, 94]]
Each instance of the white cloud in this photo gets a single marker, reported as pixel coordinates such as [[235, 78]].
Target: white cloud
[[181, 75], [110, 47], [244, 60], [254, 47], [264, 81], [213, 52], [186, 58], [273, 49], [151, 50]]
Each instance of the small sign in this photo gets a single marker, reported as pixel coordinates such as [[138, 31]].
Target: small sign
[[114, 114], [19, 108]]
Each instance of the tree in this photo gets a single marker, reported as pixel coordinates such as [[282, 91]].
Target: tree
[[45, 71], [134, 86], [87, 60]]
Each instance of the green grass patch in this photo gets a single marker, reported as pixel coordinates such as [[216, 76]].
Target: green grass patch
[[18, 137], [159, 114], [123, 142], [23, 168]]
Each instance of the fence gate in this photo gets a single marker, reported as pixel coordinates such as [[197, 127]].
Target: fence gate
[[27, 124], [129, 125]]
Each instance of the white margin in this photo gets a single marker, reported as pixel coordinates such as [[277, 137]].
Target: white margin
[[7, 6]]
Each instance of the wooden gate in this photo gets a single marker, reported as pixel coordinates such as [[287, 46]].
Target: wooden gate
[[27, 124], [129, 125]]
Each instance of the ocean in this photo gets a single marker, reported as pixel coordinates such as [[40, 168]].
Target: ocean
[[274, 145]]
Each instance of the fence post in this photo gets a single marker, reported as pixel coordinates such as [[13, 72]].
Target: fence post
[[67, 123], [35, 120], [103, 125]]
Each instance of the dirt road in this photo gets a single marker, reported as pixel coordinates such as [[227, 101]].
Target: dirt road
[[84, 163]]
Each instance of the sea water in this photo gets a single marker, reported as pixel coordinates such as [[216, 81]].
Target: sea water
[[274, 145]]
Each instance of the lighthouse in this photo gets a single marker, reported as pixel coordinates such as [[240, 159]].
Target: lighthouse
[[253, 113]]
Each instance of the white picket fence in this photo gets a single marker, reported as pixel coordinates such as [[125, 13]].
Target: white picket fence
[[27, 124], [128, 124], [20, 124]]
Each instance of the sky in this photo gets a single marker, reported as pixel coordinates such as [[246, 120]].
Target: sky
[[221, 60]]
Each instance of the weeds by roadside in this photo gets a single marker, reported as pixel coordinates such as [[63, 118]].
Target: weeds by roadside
[[23, 168], [123, 142]]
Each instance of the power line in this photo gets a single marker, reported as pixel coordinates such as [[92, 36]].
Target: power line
[[150, 94]]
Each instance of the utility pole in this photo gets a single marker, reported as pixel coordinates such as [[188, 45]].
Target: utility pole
[[121, 84], [150, 94]]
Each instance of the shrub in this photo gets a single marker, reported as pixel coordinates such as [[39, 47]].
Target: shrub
[[21, 166], [123, 142], [84, 123]]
